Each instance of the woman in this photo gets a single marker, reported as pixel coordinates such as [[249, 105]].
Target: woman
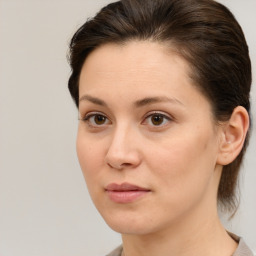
[[162, 88]]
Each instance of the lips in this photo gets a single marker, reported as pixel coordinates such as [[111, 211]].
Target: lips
[[125, 192], [124, 187]]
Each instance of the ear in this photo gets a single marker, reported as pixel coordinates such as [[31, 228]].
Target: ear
[[233, 134]]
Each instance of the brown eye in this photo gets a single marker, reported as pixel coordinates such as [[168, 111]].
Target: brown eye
[[95, 120], [157, 119], [99, 119]]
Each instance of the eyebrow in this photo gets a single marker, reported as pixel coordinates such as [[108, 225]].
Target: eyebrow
[[152, 100], [94, 100], [139, 103]]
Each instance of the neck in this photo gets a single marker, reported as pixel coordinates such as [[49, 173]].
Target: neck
[[193, 237]]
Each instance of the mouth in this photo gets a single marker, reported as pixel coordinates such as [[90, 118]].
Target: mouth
[[125, 192]]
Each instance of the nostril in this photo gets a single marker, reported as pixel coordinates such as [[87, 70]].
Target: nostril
[[122, 157], [115, 166], [119, 166], [126, 164]]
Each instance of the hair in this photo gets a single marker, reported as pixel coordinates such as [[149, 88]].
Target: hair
[[205, 33]]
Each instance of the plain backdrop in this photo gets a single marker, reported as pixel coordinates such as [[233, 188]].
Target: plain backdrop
[[45, 209]]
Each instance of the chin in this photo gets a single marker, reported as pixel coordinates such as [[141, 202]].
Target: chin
[[129, 229], [129, 224]]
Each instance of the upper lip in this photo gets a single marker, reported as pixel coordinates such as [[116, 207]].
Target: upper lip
[[124, 187]]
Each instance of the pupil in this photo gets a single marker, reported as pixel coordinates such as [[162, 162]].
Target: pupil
[[100, 119], [157, 120]]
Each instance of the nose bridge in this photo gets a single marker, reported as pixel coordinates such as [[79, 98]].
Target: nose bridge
[[123, 150]]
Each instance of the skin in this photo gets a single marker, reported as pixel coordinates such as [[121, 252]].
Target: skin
[[177, 159]]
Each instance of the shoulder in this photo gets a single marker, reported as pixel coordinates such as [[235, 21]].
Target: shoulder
[[242, 249], [116, 252]]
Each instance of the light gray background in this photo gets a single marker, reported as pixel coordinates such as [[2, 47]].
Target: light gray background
[[45, 209]]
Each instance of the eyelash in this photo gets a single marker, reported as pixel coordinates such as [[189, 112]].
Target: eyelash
[[163, 117], [94, 114]]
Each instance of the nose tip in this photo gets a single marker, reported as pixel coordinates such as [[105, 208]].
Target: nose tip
[[122, 153], [123, 160]]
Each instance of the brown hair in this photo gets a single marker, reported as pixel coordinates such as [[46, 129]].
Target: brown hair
[[204, 32]]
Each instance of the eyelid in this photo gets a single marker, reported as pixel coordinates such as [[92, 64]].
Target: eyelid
[[168, 117], [91, 113], [88, 115], [161, 113]]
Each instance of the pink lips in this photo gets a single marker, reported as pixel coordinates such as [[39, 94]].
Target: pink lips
[[125, 192]]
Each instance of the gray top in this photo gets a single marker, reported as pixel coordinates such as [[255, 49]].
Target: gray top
[[242, 249]]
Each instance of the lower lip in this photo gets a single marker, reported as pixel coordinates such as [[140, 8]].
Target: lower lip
[[126, 196]]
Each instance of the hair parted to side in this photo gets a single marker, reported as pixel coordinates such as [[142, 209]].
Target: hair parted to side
[[203, 32]]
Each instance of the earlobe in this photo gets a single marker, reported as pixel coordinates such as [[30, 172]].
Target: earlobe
[[233, 134]]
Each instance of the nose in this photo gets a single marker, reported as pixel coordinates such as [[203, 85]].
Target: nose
[[123, 151]]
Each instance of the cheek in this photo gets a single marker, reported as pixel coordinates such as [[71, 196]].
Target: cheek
[[182, 162], [89, 156], [169, 165], [91, 160], [181, 177]]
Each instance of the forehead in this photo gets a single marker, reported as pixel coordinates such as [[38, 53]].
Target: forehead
[[134, 62], [123, 74]]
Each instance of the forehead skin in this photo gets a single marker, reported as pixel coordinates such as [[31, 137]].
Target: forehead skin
[[136, 66]]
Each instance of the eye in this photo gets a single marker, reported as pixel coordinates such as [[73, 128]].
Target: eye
[[157, 119], [96, 119]]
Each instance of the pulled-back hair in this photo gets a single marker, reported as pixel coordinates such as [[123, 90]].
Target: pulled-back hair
[[203, 32]]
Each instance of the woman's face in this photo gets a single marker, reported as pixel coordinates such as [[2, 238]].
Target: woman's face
[[147, 143]]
